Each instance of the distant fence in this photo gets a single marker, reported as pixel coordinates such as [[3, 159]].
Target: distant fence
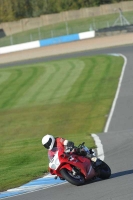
[[47, 42], [32, 23]]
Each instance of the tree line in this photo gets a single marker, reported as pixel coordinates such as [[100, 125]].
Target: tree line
[[11, 10]]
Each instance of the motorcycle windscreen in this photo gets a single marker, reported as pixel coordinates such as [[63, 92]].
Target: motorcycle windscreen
[[51, 153]]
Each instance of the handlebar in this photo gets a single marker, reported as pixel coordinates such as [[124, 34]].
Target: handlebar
[[81, 145]]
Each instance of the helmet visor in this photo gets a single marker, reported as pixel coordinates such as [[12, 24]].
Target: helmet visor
[[47, 145]]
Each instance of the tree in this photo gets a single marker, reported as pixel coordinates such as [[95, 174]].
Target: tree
[[6, 11], [11, 10]]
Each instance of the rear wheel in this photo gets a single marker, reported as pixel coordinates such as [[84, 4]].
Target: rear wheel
[[75, 179], [104, 171]]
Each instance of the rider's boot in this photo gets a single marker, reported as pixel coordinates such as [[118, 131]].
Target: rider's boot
[[61, 178], [96, 162]]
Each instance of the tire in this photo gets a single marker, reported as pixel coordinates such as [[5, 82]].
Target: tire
[[73, 179], [104, 171]]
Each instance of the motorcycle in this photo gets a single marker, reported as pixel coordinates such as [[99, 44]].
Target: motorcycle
[[76, 169]]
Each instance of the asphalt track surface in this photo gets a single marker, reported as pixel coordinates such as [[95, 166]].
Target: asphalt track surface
[[117, 143]]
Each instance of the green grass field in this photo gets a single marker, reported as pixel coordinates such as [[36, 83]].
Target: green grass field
[[69, 98]]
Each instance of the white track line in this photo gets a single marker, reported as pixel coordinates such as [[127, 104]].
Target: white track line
[[100, 151], [117, 93]]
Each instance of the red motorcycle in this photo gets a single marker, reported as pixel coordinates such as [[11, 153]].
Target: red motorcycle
[[74, 168]]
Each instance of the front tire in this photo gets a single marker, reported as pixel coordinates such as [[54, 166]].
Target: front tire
[[73, 179], [104, 171]]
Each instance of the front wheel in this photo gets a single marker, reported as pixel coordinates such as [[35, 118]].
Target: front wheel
[[104, 171], [75, 179]]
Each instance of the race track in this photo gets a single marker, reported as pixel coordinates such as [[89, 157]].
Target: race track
[[117, 143]]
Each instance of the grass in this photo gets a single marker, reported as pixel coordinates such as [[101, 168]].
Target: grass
[[55, 30], [69, 98]]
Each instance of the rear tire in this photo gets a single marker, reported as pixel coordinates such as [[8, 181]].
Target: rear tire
[[104, 171], [73, 179]]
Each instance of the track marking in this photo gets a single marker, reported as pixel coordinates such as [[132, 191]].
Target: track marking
[[35, 185], [117, 93], [100, 151]]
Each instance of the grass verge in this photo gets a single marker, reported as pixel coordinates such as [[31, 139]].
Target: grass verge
[[69, 98]]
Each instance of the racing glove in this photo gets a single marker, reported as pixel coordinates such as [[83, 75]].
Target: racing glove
[[80, 151]]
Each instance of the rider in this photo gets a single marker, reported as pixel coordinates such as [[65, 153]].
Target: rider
[[49, 142]]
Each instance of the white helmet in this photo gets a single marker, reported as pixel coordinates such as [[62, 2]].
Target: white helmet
[[48, 141]]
